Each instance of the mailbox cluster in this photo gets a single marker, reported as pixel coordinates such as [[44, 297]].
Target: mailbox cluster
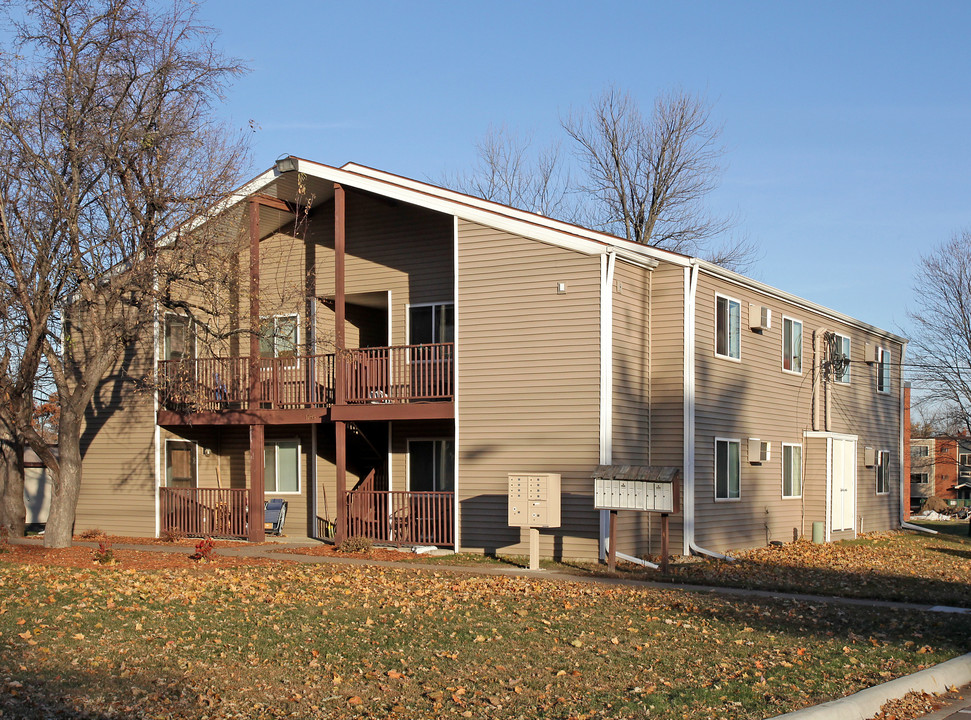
[[534, 500], [644, 495]]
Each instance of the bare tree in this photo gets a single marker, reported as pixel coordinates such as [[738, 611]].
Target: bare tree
[[941, 344], [111, 155], [509, 170], [643, 178]]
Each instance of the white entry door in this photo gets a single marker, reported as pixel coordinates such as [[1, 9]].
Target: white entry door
[[843, 484]]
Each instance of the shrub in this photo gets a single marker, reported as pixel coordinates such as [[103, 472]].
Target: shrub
[[172, 535], [355, 544], [104, 555], [205, 550]]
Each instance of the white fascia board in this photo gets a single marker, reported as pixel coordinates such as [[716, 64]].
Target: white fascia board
[[745, 282], [490, 214]]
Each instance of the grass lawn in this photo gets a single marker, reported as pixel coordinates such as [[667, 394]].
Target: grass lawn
[[348, 641]]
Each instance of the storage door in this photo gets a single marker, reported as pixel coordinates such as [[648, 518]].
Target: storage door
[[843, 484]]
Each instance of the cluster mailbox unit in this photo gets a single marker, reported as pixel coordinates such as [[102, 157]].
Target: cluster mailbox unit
[[534, 502], [646, 489]]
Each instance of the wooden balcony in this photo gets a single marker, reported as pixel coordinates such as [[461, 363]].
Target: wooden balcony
[[377, 381], [399, 517]]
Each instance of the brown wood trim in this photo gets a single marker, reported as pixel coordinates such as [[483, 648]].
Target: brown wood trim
[[391, 411], [272, 202], [254, 303], [243, 417]]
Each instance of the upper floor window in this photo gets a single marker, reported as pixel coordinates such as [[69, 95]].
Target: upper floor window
[[841, 358], [883, 370], [727, 469], [918, 478], [728, 323], [791, 345], [883, 472], [964, 459], [177, 337], [919, 451], [791, 471], [279, 336], [431, 324]]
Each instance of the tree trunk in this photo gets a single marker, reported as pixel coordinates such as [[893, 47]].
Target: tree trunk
[[67, 483], [13, 510]]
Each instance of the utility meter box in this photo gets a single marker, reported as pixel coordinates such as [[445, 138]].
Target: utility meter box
[[534, 500]]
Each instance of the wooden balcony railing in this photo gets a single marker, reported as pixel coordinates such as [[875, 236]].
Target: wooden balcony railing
[[399, 374], [202, 512], [399, 517]]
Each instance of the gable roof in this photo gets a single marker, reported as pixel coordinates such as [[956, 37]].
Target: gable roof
[[537, 227]]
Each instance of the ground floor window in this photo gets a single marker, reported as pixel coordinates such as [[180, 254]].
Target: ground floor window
[[180, 464], [727, 469], [431, 465], [281, 466], [883, 472], [791, 471]]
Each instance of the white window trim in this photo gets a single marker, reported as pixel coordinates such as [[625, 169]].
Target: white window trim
[[880, 455], [964, 455], [409, 306], [165, 461], [801, 344], [783, 477], [715, 346], [276, 458], [925, 481], [296, 348], [882, 354], [849, 350], [922, 455], [408, 441], [714, 475]]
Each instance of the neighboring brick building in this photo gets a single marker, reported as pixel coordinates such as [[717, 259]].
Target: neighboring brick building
[[939, 467]]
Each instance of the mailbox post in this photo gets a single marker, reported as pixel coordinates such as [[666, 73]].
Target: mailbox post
[[534, 502], [646, 489]]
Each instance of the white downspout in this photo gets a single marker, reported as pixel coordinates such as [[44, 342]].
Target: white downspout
[[690, 297], [607, 263]]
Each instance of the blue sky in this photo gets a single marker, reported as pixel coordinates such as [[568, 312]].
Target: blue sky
[[846, 124]]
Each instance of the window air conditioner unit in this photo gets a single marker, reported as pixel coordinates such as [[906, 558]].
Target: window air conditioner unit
[[759, 317], [870, 353], [758, 450], [869, 457]]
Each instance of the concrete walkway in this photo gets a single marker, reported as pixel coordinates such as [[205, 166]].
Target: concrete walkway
[[860, 706]]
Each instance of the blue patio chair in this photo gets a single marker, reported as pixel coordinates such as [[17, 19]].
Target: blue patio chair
[[274, 515]]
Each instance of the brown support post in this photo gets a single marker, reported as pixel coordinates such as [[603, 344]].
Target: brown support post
[[256, 532], [341, 459], [340, 396], [612, 539], [254, 306], [664, 543]]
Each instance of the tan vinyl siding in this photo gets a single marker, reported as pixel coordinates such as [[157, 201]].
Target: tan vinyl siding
[[528, 375], [816, 463], [754, 397], [118, 452]]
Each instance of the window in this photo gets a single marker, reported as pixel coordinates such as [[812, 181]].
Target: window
[[431, 324], [791, 345], [180, 464], [918, 478], [431, 465], [281, 466], [177, 338], [841, 352], [279, 336], [791, 471], [964, 459], [883, 370], [883, 472], [727, 469], [728, 323], [921, 451]]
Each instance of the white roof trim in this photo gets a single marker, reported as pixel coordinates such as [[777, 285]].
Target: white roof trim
[[746, 282]]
